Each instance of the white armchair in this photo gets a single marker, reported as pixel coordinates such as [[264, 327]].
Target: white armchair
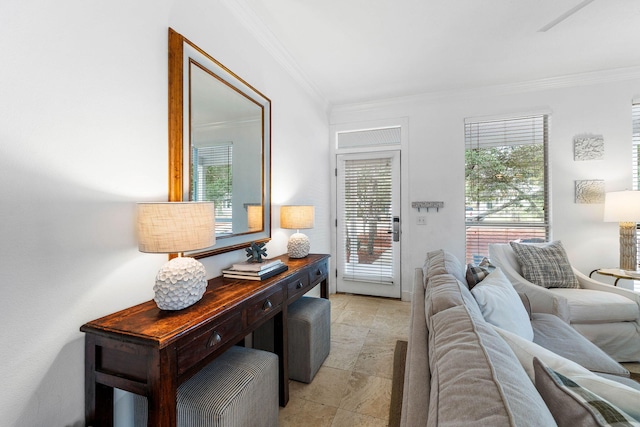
[[606, 315]]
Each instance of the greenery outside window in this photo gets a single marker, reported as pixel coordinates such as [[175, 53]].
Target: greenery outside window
[[506, 187]]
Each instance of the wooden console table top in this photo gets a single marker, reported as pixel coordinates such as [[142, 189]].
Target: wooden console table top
[[149, 351]]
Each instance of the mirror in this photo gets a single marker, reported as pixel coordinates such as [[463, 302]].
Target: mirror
[[219, 145]]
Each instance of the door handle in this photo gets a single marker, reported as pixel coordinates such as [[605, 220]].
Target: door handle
[[396, 229]]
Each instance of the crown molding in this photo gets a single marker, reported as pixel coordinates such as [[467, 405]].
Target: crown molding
[[559, 82], [252, 22]]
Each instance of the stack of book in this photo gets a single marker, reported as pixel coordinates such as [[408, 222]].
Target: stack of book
[[255, 270]]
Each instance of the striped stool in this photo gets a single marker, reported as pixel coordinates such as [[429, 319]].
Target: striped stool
[[239, 388], [309, 337]]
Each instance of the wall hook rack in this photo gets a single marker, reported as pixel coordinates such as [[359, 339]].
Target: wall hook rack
[[427, 205]]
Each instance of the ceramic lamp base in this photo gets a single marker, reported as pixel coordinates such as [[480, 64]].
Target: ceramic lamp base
[[628, 242], [298, 246], [180, 283]]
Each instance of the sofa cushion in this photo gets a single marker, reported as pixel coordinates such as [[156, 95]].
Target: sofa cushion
[[442, 262], [591, 306], [501, 306], [475, 377], [624, 397], [477, 273], [445, 291], [552, 333], [545, 265], [572, 405]]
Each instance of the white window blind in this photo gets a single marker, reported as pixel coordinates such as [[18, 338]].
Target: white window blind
[[505, 182], [635, 139], [212, 181], [368, 220]]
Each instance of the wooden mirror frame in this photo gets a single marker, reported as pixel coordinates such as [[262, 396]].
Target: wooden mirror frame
[[180, 50]]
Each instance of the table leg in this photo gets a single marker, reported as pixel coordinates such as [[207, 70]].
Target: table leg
[[281, 346]]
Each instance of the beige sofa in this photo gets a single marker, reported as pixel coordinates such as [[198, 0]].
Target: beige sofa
[[461, 371]]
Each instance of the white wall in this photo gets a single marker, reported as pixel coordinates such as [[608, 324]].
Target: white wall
[[83, 136], [596, 104]]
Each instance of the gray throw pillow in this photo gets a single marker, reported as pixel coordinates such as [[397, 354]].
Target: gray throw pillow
[[545, 265], [572, 405]]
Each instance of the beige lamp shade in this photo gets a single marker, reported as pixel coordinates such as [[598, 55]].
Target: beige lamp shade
[[175, 227], [297, 217], [254, 213], [622, 206]]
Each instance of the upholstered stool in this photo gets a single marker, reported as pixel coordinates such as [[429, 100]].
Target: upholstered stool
[[309, 337], [239, 388]]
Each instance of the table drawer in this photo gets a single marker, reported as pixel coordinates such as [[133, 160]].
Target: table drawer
[[318, 273], [262, 306], [205, 343], [298, 284]]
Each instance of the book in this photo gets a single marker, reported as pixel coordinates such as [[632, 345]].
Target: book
[[232, 270], [230, 274], [255, 266]]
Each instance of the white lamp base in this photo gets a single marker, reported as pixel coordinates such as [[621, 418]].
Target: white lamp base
[[298, 246], [180, 283]]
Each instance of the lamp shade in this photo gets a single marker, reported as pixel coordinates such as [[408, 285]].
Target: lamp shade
[[297, 217], [172, 227], [622, 206], [254, 213]]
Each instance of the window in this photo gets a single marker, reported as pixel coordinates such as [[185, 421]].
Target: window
[[505, 182], [212, 181], [635, 141]]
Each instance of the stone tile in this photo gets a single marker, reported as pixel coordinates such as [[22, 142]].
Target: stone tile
[[358, 317], [393, 325], [348, 334], [343, 355], [328, 387], [301, 412], [339, 301], [367, 395], [376, 360], [352, 419]]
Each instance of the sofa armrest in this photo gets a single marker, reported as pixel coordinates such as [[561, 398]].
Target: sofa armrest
[[587, 283], [416, 389]]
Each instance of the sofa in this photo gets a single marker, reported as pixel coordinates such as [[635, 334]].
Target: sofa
[[463, 370]]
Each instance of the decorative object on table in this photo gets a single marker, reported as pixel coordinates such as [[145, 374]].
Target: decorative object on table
[[256, 251], [177, 227], [624, 207], [297, 217], [590, 191], [588, 147]]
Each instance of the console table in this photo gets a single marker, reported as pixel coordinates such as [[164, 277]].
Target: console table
[[150, 352]]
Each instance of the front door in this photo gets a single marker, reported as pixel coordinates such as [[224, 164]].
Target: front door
[[368, 223]]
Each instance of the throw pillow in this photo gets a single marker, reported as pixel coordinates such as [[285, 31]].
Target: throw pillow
[[572, 405], [477, 273], [545, 265], [501, 306], [624, 397]]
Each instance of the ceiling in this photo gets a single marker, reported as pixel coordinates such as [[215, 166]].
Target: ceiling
[[361, 50]]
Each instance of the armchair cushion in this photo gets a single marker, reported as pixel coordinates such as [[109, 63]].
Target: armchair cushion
[[589, 306], [546, 265]]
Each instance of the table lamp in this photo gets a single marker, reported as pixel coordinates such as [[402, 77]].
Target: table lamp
[[624, 207], [254, 217], [177, 227], [297, 217]]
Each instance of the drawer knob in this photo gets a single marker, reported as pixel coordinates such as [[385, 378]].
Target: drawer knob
[[214, 339], [267, 305], [299, 285], [318, 272]]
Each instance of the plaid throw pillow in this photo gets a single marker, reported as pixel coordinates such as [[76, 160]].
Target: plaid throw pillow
[[572, 405], [546, 266], [476, 273]]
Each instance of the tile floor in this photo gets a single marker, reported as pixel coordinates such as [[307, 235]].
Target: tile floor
[[353, 386]]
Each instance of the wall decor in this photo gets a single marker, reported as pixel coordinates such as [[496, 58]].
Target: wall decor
[[590, 191], [588, 147]]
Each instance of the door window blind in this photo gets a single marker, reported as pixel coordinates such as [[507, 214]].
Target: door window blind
[[506, 188], [212, 181], [368, 220]]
